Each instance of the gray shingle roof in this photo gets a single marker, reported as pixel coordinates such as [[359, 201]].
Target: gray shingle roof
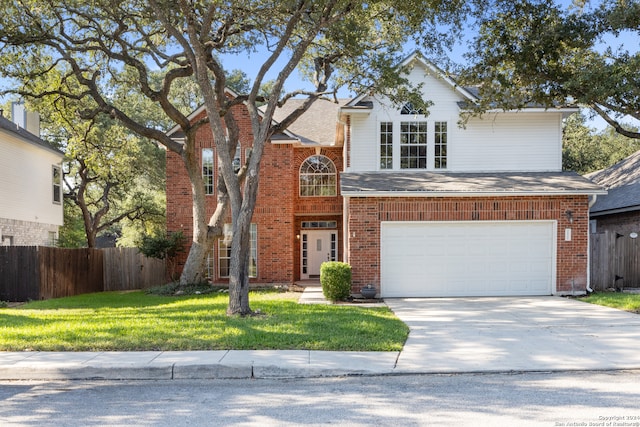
[[622, 181], [318, 125], [11, 127], [363, 184]]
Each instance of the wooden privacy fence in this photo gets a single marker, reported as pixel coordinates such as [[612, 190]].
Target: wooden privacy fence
[[29, 272], [614, 261], [127, 268]]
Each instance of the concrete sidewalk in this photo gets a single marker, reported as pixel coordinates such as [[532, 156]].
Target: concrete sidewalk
[[454, 335], [174, 365]]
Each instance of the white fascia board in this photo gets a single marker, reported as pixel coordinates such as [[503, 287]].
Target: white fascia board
[[569, 110], [355, 110]]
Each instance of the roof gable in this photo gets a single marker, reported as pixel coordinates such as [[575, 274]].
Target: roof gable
[[176, 131], [417, 59]]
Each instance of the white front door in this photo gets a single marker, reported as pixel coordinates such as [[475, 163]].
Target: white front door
[[317, 246]]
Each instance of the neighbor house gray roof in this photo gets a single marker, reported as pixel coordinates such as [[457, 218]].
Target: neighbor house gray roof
[[622, 181], [422, 183], [27, 136], [318, 125]]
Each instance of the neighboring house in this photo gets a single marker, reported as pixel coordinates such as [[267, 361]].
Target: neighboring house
[[30, 184], [619, 210], [416, 204]]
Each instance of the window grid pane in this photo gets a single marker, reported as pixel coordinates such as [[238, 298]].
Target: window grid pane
[[224, 252], [413, 145], [207, 170], [386, 145], [440, 145], [317, 177], [56, 177]]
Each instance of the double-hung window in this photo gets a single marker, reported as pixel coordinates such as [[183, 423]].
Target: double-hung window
[[56, 179], [413, 145], [207, 170], [224, 252], [386, 145], [440, 143]]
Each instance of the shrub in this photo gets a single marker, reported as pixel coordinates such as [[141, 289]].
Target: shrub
[[335, 278], [162, 246]]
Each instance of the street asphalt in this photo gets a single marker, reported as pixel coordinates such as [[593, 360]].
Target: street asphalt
[[447, 336]]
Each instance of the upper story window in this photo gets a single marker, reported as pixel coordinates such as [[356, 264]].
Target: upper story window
[[440, 145], [56, 179], [386, 145], [413, 145], [409, 108], [318, 177], [207, 170]]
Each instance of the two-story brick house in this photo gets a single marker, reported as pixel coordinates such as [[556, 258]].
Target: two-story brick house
[[418, 205]]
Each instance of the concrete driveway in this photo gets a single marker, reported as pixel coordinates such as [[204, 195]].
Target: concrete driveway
[[515, 334]]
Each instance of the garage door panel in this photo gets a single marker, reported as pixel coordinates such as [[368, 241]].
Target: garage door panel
[[467, 259]]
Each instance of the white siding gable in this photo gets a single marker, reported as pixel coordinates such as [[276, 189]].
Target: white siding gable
[[26, 187], [522, 141]]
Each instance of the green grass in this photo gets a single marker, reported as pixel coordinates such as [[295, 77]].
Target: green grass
[[619, 300], [131, 321]]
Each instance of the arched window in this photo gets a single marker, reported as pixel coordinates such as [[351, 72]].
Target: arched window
[[409, 108], [317, 177]]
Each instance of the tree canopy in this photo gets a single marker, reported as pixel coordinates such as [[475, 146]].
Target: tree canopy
[[585, 150], [543, 53]]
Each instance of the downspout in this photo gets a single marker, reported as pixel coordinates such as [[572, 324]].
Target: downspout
[[345, 229], [592, 201]]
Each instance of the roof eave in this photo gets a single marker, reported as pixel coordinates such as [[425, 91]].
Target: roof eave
[[42, 145], [626, 209], [469, 193]]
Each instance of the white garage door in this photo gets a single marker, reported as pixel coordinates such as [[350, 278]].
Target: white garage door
[[440, 259]]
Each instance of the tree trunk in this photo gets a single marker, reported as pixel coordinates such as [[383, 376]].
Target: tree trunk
[[192, 271], [239, 266], [204, 234]]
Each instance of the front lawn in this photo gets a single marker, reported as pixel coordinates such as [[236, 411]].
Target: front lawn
[[619, 300], [129, 321]]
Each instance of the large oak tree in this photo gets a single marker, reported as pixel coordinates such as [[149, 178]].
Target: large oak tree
[[107, 46], [546, 53]]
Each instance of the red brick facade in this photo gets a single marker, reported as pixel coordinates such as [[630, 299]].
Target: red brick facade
[[280, 212], [366, 214], [623, 223], [279, 209]]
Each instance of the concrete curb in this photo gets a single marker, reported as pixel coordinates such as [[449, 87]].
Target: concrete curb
[[232, 364]]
